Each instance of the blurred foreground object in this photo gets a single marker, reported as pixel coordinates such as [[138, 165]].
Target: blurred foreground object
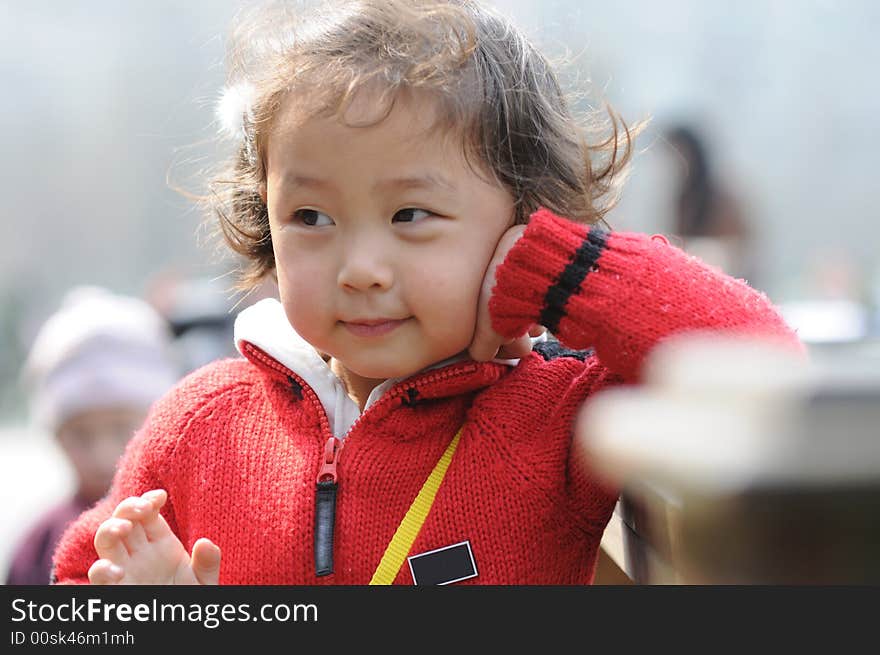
[[743, 464], [824, 321], [835, 304]]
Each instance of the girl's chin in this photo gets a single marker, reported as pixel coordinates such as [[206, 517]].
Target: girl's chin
[[382, 368], [378, 372]]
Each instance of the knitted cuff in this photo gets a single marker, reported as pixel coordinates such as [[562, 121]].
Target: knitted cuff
[[619, 292], [543, 270]]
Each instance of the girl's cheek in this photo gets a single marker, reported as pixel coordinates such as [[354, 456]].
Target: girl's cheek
[[306, 305], [304, 274]]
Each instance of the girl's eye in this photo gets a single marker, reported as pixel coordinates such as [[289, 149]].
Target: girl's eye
[[312, 218], [410, 215]]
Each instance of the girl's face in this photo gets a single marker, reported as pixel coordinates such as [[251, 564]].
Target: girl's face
[[382, 236]]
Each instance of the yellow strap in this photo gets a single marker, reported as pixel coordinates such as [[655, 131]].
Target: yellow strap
[[409, 527]]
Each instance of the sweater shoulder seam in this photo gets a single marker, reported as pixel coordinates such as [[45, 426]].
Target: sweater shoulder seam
[[192, 414]]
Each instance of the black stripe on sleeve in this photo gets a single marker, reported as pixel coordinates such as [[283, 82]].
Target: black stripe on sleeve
[[569, 281]]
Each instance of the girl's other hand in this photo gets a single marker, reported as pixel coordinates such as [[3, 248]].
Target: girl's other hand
[[488, 344], [136, 546]]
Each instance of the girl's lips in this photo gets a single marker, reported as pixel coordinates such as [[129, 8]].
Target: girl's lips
[[373, 328]]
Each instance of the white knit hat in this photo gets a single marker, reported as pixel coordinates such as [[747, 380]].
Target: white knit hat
[[98, 350]]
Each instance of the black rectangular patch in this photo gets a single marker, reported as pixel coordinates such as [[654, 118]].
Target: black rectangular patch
[[443, 565]]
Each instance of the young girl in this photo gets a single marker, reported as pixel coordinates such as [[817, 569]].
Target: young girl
[[403, 172]]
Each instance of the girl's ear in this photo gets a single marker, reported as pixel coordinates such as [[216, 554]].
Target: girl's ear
[[263, 192]]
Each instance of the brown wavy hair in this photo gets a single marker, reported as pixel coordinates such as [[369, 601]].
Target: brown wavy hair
[[490, 84]]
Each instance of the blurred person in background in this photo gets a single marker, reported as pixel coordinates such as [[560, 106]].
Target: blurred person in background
[[201, 313], [92, 373], [708, 217]]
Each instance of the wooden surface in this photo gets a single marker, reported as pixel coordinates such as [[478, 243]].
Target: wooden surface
[[639, 540]]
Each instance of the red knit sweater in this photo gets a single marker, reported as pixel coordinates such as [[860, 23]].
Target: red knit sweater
[[239, 443]]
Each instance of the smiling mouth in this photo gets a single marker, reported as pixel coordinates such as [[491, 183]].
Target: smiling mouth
[[373, 327]]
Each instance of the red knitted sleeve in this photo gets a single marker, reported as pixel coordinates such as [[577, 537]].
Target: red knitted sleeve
[[620, 293], [152, 461]]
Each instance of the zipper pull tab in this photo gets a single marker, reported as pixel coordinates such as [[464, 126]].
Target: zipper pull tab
[[328, 462], [325, 508]]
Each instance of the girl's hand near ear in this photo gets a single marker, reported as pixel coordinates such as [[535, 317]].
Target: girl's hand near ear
[[488, 344]]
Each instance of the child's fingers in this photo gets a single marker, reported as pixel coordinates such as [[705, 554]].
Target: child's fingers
[[206, 561], [155, 527], [537, 330], [143, 512], [133, 508], [483, 351], [136, 539], [156, 498], [109, 539], [486, 341], [516, 349], [104, 572]]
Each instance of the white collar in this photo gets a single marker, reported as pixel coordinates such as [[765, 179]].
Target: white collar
[[265, 325]]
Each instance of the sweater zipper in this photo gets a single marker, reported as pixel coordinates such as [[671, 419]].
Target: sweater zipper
[[326, 486]]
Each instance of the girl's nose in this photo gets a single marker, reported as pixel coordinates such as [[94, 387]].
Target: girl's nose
[[365, 266]]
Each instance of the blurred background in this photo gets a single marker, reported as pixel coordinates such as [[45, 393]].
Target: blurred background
[[758, 157]]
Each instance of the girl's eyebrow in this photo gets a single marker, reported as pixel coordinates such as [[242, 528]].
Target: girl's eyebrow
[[422, 181], [306, 181]]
